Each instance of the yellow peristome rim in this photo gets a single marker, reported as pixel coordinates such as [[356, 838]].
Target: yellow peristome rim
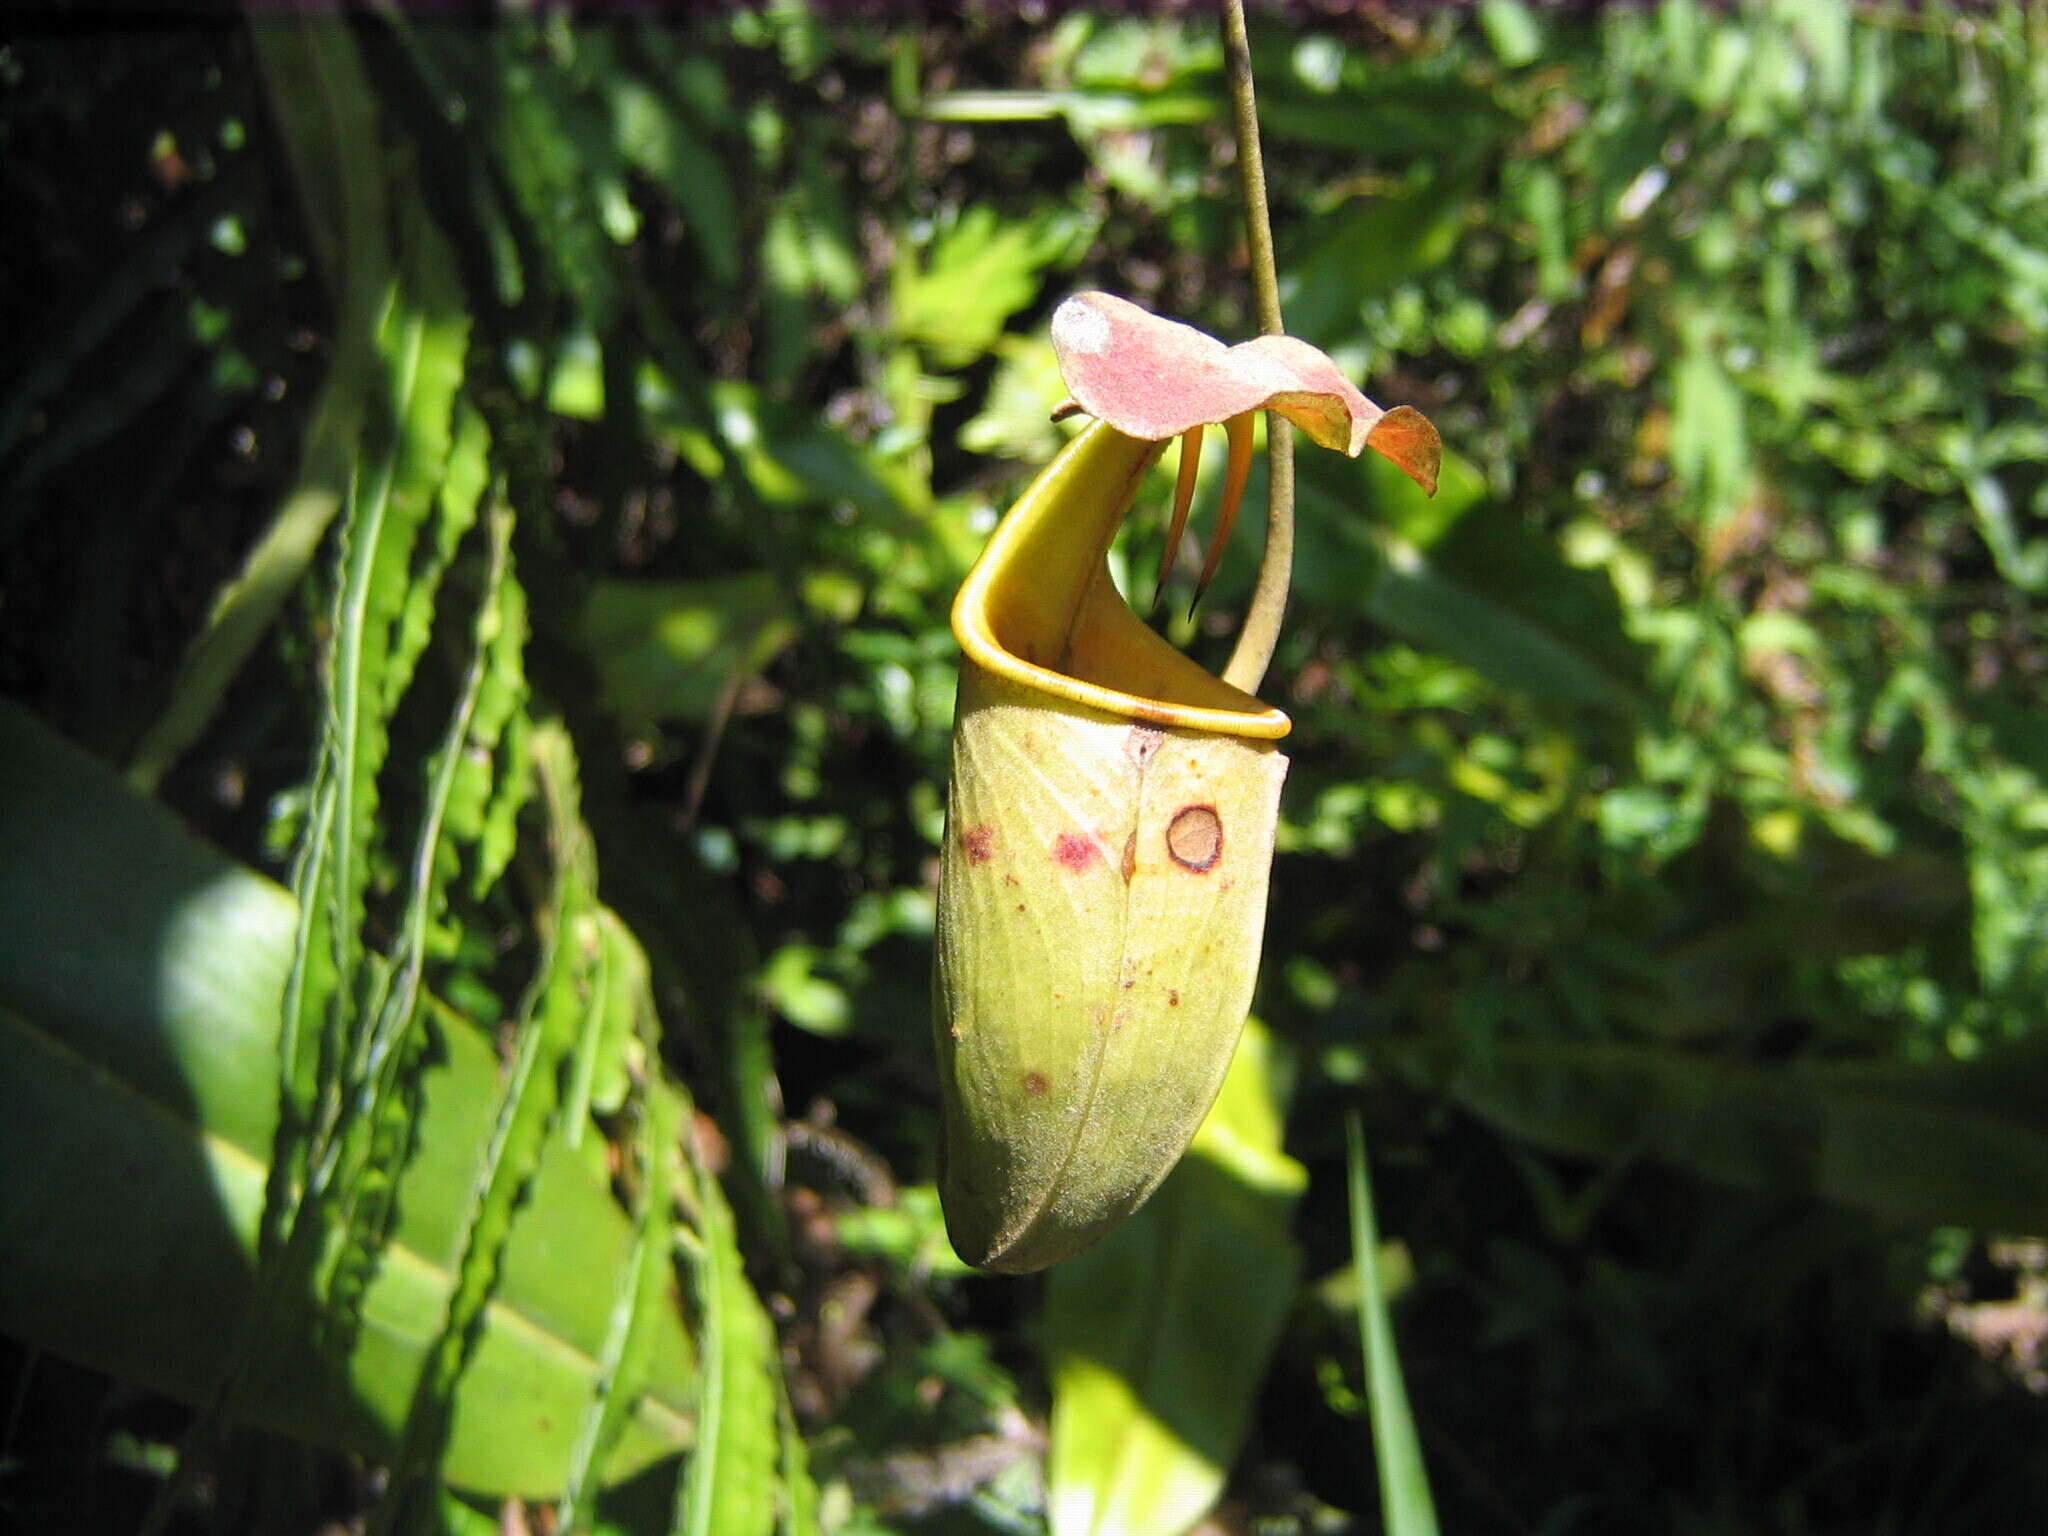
[[1039, 607]]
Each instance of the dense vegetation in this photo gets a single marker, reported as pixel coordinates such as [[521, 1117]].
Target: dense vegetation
[[503, 487]]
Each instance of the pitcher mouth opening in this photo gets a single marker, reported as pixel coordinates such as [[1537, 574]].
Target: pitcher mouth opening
[[1040, 609]]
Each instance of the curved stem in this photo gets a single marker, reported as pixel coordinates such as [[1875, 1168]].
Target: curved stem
[[1261, 633]]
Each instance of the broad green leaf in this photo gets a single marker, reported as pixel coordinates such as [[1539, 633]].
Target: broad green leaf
[[1948, 1144], [141, 977], [669, 650], [1158, 1336], [1373, 245], [955, 300], [1500, 598], [1466, 576], [800, 458], [1405, 1502]]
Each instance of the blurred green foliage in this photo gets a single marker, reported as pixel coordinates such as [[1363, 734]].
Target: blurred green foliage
[[1664, 864]]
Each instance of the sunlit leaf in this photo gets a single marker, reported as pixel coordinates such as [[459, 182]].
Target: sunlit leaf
[[139, 1017], [1158, 1336]]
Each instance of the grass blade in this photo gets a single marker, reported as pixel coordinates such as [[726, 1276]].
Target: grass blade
[[1404, 1481]]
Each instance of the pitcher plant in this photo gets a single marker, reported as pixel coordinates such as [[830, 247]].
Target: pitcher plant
[[1111, 814]]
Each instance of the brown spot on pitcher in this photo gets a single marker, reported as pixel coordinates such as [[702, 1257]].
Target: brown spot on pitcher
[[1194, 838]]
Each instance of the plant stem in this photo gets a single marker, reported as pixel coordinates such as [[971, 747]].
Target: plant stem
[[1255, 642]]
